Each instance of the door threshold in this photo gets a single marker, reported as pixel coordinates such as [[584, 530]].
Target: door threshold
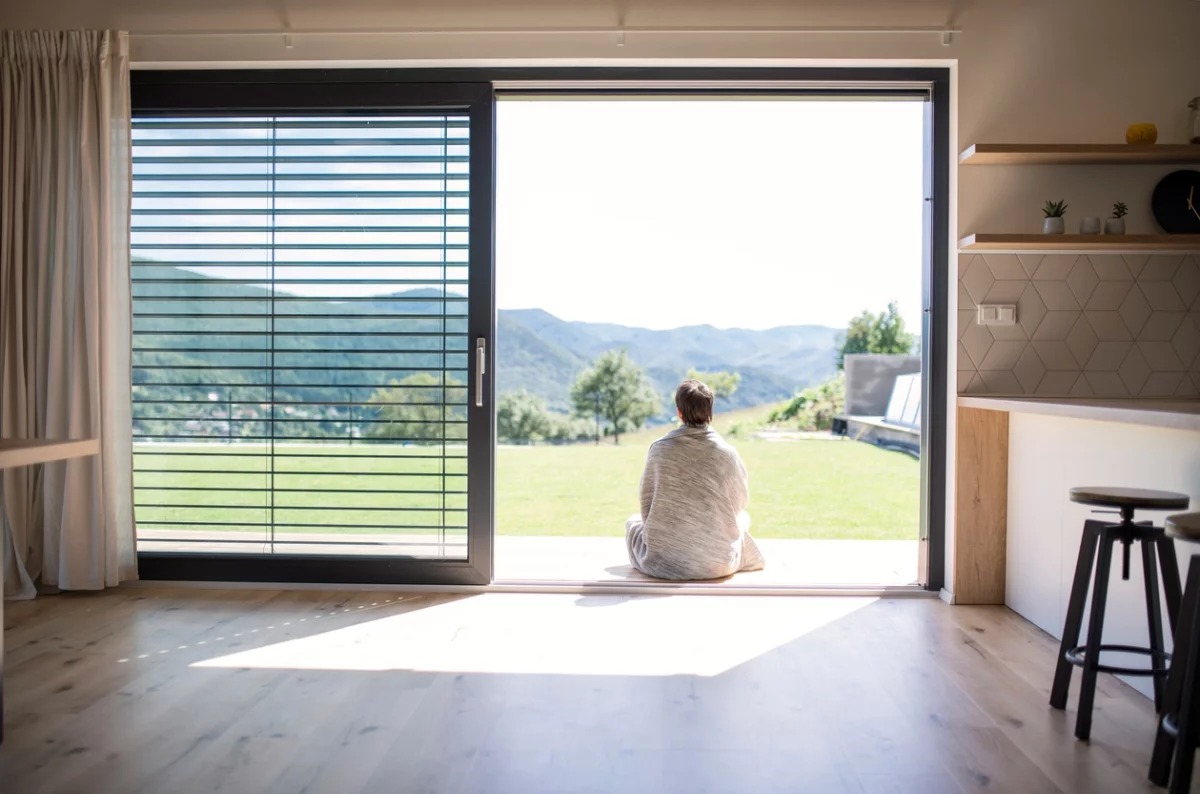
[[610, 587], [565, 587]]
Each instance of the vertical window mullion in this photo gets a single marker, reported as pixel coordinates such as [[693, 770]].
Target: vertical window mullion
[[272, 339], [445, 309]]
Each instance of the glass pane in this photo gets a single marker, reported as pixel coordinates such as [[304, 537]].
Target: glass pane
[[300, 334]]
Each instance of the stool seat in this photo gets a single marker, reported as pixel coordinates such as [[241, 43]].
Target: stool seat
[[1185, 526], [1130, 497]]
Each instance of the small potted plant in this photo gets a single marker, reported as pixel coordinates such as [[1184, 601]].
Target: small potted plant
[[1116, 224], [1055, 210]]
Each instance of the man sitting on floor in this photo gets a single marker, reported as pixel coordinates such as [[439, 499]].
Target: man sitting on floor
[[694, 492]]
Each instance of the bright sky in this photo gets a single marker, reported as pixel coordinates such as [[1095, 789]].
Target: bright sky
[[657, 213], [732, 213]]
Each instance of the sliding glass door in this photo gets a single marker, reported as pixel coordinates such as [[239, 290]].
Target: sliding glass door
[[312, 312], [315, 317]]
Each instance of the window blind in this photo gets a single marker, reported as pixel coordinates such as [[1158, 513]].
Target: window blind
[[300, 334]]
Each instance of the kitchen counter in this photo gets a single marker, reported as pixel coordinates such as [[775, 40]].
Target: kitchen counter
[[1017, 533], [1176, 414]]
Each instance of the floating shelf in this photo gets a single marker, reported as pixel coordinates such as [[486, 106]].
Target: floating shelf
[[1146, 243], [1080, 154]]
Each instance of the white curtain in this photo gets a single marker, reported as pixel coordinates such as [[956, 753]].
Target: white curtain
[[65, 306]]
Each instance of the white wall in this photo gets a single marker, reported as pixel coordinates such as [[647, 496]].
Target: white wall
[[1029, 70], [1026, 70], [1047, 457]]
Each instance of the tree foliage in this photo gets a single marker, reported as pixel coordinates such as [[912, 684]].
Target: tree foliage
[[875, 333], [522, 417], [723, 384], [815, 407], [615, 390], [565, 429], [420, 408]]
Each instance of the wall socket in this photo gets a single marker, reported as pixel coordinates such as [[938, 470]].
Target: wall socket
[[997, 315]]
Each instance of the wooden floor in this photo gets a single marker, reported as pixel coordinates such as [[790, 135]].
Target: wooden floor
[[181, 691]]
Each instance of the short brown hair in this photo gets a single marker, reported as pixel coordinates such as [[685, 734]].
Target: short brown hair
[[695, 403]]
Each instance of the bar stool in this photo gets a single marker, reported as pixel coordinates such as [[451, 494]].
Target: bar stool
[[1179, 724], [1104, 535]]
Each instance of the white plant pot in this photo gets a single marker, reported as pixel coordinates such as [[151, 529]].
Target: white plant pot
[[1114, 226], [1089, 225], [1054, 226]]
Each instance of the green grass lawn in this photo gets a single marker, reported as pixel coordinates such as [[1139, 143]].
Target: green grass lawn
[[803, 489]]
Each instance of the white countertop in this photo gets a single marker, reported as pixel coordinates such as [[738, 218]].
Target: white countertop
[[28, 451], [1177, 414]]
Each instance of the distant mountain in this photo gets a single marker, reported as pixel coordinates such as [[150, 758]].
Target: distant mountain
[[324, 346], [529, 360], [548, 353]]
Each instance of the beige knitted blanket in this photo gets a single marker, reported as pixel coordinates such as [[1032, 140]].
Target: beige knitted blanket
[[693, 523]]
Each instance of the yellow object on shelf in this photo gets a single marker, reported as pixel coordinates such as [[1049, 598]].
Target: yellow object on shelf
[[1141, 133]]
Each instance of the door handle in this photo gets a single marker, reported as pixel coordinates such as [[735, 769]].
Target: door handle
[[480, 368]]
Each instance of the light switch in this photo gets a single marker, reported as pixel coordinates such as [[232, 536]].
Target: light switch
[[997, 315]]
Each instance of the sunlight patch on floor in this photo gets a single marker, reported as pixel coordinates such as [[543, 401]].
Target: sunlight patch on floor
[[560, 634]]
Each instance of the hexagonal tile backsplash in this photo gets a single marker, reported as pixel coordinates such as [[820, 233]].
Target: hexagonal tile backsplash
[[1087, 326]]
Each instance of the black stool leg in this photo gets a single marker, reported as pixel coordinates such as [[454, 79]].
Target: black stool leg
[[1091, 660], [1170, 572], [1079, 591], [1164, 743], [1187, 720], [1153, 618]]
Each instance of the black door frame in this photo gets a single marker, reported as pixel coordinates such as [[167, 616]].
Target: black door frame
[[377, 90]]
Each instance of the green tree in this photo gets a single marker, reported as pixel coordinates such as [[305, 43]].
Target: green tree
[[521, 416], [420, 408], [875, 333], [857, 338], [723, 384], [614, 389]]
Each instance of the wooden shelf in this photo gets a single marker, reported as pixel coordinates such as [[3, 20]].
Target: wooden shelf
[[1080, 154], [28, 451], [1145, 243]]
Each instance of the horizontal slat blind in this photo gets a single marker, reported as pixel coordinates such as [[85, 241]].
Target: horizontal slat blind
[[300, 334]]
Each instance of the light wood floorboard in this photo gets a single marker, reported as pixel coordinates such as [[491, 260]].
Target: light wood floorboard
[[148, 691]]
